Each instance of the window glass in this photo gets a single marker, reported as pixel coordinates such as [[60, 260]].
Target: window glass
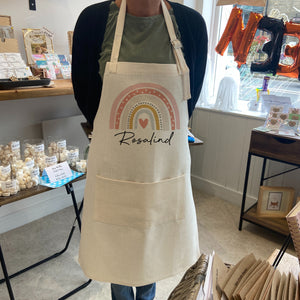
[[278, 85]]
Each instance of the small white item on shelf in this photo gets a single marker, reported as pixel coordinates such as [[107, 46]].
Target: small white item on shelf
[[9, 187], [10, 152], [81, 166], [5, 172]]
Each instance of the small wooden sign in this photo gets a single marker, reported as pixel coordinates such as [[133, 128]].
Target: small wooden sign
[[5, 21], [9, 46]]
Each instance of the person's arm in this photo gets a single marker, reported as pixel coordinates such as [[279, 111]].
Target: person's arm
[[87, 40]]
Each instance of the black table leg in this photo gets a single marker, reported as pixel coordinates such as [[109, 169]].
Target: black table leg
[[282, 251], [245, 191], [262, 178], [70, 190], [10, 292]]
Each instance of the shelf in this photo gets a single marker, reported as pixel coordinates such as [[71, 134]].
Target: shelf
[[61, 87], [276, 224]]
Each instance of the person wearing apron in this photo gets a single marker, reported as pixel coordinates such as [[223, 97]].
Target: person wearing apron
[[139, 223]]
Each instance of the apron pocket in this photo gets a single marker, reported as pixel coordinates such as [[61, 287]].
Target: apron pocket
[[128, 203]]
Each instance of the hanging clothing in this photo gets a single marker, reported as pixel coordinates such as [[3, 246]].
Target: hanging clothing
[[139, 222]]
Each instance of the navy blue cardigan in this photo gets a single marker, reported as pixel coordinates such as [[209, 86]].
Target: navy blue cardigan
[[87, 41]]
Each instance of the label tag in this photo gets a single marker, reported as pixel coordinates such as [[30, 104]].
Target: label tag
[[39, 148], [6, 170], [15, 146], [35, 172], [51, 160], [62, 144], [73, 155], [58, 172], [30, 163], [8, 185]]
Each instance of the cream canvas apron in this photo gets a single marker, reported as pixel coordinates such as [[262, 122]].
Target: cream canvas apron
[[139, 221]]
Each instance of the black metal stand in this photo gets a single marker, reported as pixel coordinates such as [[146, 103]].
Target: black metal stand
[[76, 290], [70, 190], [245, 191], [6, 278], [282, 251], [262, 179]]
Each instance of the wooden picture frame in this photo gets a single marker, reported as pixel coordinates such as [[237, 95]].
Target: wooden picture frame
[[9, 46], [275, 202], [37, 41]]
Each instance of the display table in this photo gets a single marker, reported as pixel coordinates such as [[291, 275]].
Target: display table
[[285, 149], [29, 193], [60, 87]]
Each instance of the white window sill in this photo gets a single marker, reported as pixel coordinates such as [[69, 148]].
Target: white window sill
[[241, 111]]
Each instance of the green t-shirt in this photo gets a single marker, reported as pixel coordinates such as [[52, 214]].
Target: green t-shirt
[[145, 39]]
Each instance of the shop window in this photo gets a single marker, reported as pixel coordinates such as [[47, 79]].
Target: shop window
[[278, 85]]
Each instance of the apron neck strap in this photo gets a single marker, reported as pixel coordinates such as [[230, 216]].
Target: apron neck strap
[[118, 34]]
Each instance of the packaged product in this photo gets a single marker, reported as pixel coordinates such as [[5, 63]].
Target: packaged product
[[10, 152], [56, 147], [5, 172], [9, 187], [72, 156], [27, 174], [35, 148], [81, 166]]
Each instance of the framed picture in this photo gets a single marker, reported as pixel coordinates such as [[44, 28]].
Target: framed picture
[[275, 202], [37, 41]]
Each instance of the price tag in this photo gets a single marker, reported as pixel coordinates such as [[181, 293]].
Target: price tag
[[9, 185], [58, 172], [73, 155], [50, 160], [15, 146], [62, 144], [34, 172], [39, 148], [30, 163], [6, 170]]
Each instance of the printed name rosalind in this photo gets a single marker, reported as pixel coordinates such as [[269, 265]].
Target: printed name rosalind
[[129, 138]]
